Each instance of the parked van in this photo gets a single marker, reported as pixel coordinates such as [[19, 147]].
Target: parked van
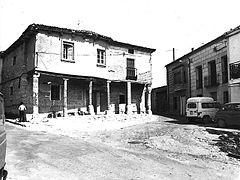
[[3, 140], [203, 108]]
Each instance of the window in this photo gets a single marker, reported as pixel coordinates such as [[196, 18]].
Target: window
[[225, 97], [68, 51], [55, 92], [131, 70], [214, 95], [11, 90], [208, 105], [101, 57], [130, 51], [192, 105], [212, 78], [177, 77], [199, 84], [236, 107], [14, 60], [224, 69]]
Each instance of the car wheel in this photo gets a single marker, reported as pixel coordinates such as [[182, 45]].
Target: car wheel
[[189, 120], [221, 123], [206, 119]]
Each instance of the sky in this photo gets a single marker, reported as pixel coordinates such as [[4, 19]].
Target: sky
[[159, 24]]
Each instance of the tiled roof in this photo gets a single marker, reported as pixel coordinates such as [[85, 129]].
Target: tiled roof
[[35, 28]]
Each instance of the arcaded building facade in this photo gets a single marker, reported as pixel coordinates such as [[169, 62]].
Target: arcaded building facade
[[64, 71]]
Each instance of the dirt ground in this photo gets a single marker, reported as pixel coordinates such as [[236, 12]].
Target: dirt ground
[[186, 151]]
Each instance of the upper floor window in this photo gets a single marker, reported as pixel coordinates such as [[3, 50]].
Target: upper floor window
[[199, 84], [212, 73], [68, 51], [130, 51], [101, 57], [131, 70], [177, 77], [14, 60], [224, 69], [11, 90]]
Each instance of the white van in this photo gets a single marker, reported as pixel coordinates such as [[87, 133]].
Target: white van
[[3, 140], [203, 108]]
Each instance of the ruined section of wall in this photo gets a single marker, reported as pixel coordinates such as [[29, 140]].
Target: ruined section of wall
[[16, 91], [16, 81]]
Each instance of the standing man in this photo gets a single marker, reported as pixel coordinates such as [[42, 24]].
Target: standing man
[[22, 112]]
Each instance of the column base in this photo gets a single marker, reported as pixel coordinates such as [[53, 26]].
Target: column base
[[65, 112], [149, 112], [91, 110], [142, 109], [129, 109]]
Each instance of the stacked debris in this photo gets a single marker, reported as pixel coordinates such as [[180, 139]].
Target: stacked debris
[[228, 142]]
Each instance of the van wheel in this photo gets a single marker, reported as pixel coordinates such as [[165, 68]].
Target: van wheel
[[206, 119], [221, 123]]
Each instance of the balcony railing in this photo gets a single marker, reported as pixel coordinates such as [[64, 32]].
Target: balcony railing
[[131, 73]]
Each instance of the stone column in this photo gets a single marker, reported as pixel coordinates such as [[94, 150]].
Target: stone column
[[129, 98], [149, 108], [65, 97], [35, 94], [108, 94], [142, 104], [90, 105]]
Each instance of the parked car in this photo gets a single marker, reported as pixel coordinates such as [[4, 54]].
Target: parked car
[[3, 140], [228, 115], [203, 108]]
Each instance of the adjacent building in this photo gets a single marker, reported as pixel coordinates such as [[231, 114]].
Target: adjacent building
[[159, 100], [60, 71], [211, 70]]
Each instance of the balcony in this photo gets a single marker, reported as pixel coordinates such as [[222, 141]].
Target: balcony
[[131, 73]]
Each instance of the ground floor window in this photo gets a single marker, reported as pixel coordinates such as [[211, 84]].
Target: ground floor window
[[225, 97]]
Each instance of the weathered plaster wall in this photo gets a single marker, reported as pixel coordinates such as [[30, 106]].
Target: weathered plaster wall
[[48, 48], [15, 76]]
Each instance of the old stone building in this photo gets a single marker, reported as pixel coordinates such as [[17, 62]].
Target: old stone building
[[211, 70], [64, 71]]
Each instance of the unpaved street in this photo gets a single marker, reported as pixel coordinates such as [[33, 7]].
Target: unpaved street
[[159, 149]]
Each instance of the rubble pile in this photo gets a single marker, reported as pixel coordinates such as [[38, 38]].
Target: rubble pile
[[228, 142]]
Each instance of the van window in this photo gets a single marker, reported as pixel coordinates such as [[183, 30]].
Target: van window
[[208, 105], [192, 105]]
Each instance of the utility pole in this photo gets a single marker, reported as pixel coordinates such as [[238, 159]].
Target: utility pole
[[173, 50]]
